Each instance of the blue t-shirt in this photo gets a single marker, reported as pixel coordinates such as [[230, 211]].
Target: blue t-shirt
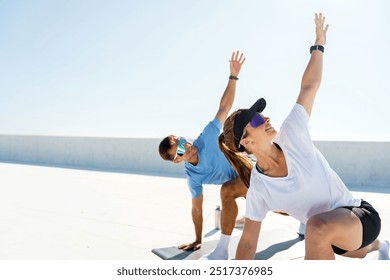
[[212, 167]]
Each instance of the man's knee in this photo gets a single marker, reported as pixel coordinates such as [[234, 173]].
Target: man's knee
[[226, 190], [233, 189]]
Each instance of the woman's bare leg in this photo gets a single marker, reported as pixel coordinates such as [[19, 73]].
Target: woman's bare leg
[[339, 227]]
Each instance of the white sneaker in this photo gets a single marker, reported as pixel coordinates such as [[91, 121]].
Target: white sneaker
[[384, 250], [301, 229]]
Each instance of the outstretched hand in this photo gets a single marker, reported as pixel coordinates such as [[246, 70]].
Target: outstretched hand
[[320, 30], [190, 246], [236, 62]]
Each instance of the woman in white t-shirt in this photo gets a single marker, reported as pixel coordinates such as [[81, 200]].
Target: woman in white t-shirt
[[291, 175]]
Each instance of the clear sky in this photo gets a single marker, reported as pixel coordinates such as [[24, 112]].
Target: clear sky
[[155, 67]]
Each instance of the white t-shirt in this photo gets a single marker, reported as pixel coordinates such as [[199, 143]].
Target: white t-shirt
[[311, 185]]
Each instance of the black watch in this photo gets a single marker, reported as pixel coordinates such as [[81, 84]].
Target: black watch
[[317, 48]]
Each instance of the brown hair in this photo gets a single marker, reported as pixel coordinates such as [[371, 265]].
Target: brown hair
[[164, 147], [241, 163]]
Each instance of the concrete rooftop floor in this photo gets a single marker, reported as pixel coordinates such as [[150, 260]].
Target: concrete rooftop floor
[[50, 213]]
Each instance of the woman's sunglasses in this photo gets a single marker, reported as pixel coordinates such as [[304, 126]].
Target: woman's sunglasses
[[257, 120]]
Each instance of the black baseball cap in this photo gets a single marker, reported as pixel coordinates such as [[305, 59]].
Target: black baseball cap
[[243, 117]]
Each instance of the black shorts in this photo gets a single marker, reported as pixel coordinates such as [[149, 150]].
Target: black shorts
[[371, 223]]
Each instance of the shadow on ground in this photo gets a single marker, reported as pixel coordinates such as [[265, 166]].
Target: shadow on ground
[[278, 247]]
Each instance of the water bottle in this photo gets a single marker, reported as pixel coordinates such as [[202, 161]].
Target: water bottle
[[218, 217]]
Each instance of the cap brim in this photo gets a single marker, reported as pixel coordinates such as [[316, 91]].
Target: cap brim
[[243, 117]]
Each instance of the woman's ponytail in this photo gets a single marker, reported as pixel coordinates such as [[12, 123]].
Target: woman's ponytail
[[241, 163]]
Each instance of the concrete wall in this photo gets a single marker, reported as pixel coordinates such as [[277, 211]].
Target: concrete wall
[[357, 163], [97, 153]]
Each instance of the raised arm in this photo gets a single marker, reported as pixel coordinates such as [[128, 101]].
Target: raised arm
[[312, 76], [227, 99]]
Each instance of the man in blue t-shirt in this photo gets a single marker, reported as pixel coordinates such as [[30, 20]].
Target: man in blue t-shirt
[[205, 164]]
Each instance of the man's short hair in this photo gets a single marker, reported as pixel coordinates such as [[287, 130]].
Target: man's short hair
[[164, 147]]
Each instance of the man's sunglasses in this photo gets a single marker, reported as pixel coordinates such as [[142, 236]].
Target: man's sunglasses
[[180, 147]]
